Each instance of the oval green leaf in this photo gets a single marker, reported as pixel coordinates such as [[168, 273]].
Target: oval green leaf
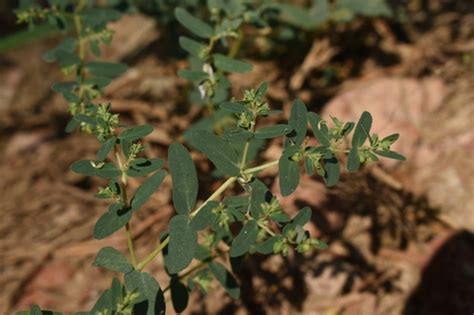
[[353, 161], [184, 176], [111, 221], [272, 131], [245, 239], [146, 189], [112, 259], [230, 64], [191, 46], [194, 25], [362, 130], [151, 296], [320, 129], [93, 168], [105, 148], [298, 122], [226, 279], [183, 243], [289, 172], [219, 152], [135, 133], [391, 155], [106, 69]]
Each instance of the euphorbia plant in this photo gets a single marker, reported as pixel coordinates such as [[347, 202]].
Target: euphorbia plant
[[199, 239]]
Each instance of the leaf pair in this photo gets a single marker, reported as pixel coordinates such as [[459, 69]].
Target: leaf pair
[[118, 215]]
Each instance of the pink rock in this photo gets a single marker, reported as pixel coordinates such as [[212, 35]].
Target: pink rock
[[398, 105]]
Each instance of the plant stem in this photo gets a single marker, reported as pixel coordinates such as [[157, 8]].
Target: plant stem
[[260, 168], [153, 254], [197, 267], [131, 249], [124, 199], [234, 50], [165, 242], [244, 154], [82, 50], [229, 182], [266, 229]]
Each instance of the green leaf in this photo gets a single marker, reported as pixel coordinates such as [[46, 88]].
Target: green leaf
[[112, 259], [184, 176], [193, 24], [289, 171], [391, 155], [332, 170], [66, 58], [272, 131], [183, 243], [230, 64], [93, 168], [204, 217], [353, 161], [266, 247], [113, 220], [298, 122], [348, 126], [320, 129], [221, 154], [196, 76], [298, 16], [135, 133], [261, 90], [64, 87], [193, 47], [366, 7], [94, 17], [116, 292], [105, 148], [259, 195], [245, 239], [98, 82], [146, 189], [303, 216], [36, 310], [308, 166], [149, 290], [226, 279], [391, 138], [280, 217], [362, 130], [237, 134], [233, 107], [68, 45], [142, 167], [179, 295], [103, 303], [86, 119], [106, 69]]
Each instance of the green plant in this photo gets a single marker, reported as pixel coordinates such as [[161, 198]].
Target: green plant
[[191, 250]]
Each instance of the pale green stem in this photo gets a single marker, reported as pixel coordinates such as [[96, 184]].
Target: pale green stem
[[153, 254], [197, 267], [131, 249], [260, 168], [266, 229], [244, 155], [229, 182], [124, 198]]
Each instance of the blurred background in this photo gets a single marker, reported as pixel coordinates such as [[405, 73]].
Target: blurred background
[[400, 234]]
